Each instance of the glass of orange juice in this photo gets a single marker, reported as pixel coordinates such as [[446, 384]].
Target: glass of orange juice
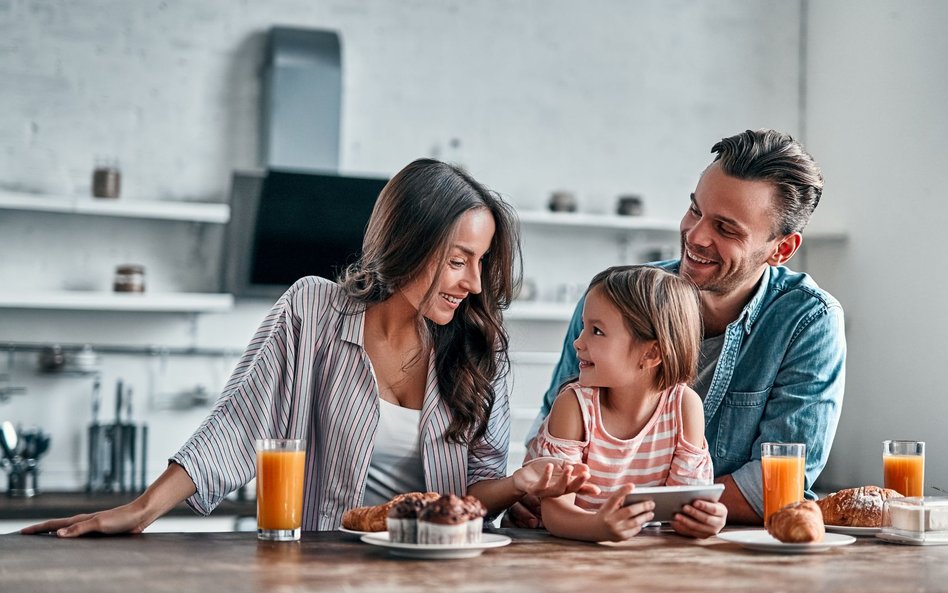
[[903, 466], [280, 470], [782, 466]]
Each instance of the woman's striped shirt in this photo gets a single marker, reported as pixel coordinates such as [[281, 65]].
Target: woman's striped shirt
[[306, 374], [658, 456]]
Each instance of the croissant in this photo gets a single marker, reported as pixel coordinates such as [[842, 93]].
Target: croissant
[[856, 507], [797, 523], [374, 518], [365, 518]]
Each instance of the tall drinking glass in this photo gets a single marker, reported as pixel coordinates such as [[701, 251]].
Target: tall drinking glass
[[782, 466], [903, 465], [280, 470]]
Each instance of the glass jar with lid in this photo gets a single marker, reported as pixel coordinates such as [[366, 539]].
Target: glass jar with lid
[[106, 178], [129, 278]]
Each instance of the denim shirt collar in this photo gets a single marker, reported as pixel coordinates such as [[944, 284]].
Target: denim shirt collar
[[753, 307]]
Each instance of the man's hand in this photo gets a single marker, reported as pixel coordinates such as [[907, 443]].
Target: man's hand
[[525, 513], [739, 511]]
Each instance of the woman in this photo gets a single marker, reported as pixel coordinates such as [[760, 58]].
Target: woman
[[407, 354]]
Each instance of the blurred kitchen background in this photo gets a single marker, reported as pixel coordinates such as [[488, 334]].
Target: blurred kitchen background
[[189, 102]]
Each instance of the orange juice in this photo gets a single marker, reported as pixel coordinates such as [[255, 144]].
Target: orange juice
[[280, 489], [904, 473], [783, 481]]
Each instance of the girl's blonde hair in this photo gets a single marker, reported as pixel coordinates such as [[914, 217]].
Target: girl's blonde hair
[[661, 306]]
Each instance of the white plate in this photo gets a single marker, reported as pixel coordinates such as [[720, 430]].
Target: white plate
[[857, 531], [759, 539], [912, 541], [437, 551], [355, 532]]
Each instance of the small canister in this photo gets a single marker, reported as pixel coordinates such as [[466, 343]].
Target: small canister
[[562, 201], [129, 278], [106, 178], [630, 205]]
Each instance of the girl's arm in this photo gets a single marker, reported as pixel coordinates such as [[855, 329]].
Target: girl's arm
[[560, 515], [612, 522], [703, 518]]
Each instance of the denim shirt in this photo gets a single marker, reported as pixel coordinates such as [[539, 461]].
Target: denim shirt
[[780, 378]]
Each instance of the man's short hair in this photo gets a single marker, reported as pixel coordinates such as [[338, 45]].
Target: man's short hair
[[769, 155]]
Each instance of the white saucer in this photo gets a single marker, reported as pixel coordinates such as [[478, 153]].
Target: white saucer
[[356, 532], [759, 539], [857, 531], [437, 551]]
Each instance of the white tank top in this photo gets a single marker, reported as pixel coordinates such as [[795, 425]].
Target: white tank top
[[396, 460]]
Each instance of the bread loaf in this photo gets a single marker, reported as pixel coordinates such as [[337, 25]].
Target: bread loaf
[[373, 518], [797, 523], [856, 507]]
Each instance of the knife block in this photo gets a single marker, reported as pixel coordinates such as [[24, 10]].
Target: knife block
[[117, 457]]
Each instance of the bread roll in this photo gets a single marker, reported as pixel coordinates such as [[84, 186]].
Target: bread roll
[[797, 523], [856, 507], [374, 518]]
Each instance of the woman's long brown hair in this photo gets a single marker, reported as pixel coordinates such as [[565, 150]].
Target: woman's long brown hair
[[412, 224]]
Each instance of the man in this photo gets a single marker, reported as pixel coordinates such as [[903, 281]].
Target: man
[[773, 357]]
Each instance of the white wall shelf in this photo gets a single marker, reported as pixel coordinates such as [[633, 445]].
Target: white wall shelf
[[539, 311], [120, 207], [106, 301], [596, 221]]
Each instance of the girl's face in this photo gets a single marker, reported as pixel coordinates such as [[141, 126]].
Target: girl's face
[[609, 355], [461, 273]]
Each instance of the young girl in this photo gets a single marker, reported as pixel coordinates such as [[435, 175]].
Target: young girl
[[631, 416]]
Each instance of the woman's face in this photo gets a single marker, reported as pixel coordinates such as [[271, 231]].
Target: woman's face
[[460, 271]]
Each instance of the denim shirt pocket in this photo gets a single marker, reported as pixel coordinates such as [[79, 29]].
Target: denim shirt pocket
[[740, 415]]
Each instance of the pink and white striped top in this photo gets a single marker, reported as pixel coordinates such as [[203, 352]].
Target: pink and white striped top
[[657, 456], [306, 375]]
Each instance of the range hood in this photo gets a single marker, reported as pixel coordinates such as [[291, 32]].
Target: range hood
[[301, 100]]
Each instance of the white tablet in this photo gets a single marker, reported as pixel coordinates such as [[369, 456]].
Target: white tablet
[[670, 499]]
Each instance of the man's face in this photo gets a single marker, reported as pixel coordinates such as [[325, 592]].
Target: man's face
[[726, 234]]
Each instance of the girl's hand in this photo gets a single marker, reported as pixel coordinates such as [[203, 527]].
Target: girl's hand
[[617, 522], [549, 477], [700, 519]]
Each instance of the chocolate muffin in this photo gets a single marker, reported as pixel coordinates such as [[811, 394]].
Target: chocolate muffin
[[403, 518], [475, 518], [445, 521]]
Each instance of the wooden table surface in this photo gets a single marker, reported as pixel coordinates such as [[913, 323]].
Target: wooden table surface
[[535, 561]]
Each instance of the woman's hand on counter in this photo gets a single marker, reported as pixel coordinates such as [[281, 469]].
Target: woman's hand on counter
[[171, 487], [128, 518]]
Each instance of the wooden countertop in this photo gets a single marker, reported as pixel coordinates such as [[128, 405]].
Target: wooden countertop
[[48, 505], [535, 561]]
